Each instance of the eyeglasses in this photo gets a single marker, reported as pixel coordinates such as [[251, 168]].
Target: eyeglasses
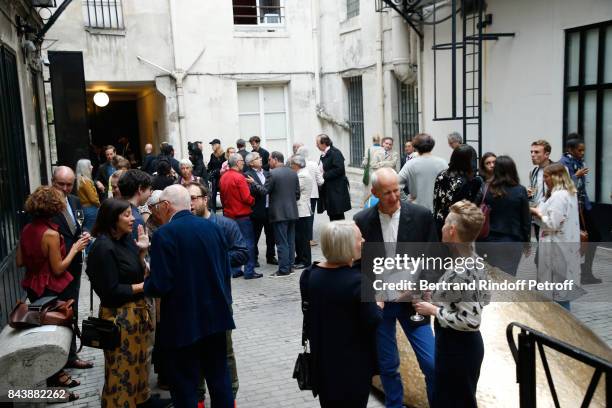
[[193, 198], [154, 206]]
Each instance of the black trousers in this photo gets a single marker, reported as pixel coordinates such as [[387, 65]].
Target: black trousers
[[357, 402], [313, 208], [458, 359], [335, 217], [258, 226], [186, 365], [72, 292], [302, 241]]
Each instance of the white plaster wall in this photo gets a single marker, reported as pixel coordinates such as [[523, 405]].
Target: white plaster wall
[[9, 37], [522, 76]]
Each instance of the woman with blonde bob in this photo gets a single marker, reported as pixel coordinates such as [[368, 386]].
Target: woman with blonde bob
[[559, 244], [340, 327], [459, 345]]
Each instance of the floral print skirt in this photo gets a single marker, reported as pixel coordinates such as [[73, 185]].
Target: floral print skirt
[[126, 369]]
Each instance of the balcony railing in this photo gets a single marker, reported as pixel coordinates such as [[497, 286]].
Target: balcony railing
[[271, 14], [103, 14]]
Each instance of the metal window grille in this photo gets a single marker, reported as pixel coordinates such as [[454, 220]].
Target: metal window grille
[[14, 182], [355, 104], [352, 8], [258, 12], [104, 14], [407, 113]]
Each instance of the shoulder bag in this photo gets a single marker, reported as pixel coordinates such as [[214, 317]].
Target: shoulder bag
[[99, 333], [303, 370], [46, 310]]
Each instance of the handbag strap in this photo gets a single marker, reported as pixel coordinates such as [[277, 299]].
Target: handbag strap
[[305, 307], [484, 195]]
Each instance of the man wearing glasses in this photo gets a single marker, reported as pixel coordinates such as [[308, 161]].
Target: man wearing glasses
[[237, 201]]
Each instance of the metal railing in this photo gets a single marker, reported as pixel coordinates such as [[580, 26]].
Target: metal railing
[[355, 121], [104, 14], [10, 287], [525, 359], [408, 113], [266, 13]]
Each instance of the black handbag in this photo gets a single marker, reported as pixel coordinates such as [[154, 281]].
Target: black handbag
[[99, 333], [303, 369]]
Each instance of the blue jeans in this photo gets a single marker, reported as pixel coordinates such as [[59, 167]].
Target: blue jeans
[[422, 341], [90, 213], [284, 234], [246, 228]]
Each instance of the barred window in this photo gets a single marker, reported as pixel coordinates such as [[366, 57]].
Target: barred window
[[103, 14], [355, 104], [259, 12], [407, 113], [352, 8]]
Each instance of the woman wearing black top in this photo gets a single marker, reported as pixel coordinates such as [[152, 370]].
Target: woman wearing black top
[[509, 219], [163, 178], [117, 272], [458, 182], [217, 157], [340, 327]]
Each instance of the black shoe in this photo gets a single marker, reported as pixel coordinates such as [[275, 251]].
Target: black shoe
[[272, 261], [589, 280], [298, 266], [279, 274], [238, 274], [255, 275]]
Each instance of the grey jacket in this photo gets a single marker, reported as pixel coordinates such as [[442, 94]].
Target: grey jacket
[[283, 188]]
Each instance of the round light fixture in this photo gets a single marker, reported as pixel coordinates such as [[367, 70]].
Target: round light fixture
[[101, 99]]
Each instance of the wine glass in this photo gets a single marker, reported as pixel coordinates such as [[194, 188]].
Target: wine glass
[[80, 217], [416, 317]]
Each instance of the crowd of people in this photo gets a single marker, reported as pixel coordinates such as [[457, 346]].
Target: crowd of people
[[140, 229]]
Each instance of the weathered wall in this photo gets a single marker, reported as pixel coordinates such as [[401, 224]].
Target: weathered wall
[[522, 76]]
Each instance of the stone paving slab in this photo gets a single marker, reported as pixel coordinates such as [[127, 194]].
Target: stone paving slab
[[267, 339]]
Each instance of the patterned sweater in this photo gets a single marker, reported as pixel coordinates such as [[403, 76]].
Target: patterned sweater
[[461, 309]]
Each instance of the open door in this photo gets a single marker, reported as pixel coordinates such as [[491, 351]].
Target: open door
[[69, 107]]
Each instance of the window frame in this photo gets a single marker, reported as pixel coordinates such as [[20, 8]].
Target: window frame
[[353, 11], [407, 113], [91, 21], [355, 119], [258, 16], [262, 112], [581, 89]]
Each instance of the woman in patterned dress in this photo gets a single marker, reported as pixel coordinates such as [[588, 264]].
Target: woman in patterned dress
[[116, 269], [458, 182]]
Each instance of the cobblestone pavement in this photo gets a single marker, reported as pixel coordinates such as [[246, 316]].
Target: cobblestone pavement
[[267, 338]]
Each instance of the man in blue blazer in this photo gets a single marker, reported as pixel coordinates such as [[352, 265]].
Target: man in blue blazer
[[190, 271]]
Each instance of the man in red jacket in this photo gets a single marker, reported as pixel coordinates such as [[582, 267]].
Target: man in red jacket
[[237, 201]]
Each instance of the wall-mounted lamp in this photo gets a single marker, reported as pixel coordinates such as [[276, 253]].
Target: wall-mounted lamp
[[101, 99]]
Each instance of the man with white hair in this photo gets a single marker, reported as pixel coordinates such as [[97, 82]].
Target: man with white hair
[[190, 272], [237, 201], [317, 177], [395, 222], [63, 180], [454, 140]]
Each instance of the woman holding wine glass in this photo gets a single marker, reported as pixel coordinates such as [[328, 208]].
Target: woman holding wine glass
[[459, 346]]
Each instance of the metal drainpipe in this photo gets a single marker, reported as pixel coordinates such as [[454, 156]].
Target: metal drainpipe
[[315, 10], [420, 42], [379, 74], [178, 76]]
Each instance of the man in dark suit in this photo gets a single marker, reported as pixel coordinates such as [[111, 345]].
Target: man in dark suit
[[195, 300], [283, 187], [400, 222], [334, 193], [255, 142], [259, 216], [68, 225], [149, 158], [105, 171]]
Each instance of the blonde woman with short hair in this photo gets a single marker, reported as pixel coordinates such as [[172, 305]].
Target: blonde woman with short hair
[[340, 327], [459, 345], [558, 218]]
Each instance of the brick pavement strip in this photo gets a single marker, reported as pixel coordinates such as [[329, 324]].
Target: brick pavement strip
[[267, 340]]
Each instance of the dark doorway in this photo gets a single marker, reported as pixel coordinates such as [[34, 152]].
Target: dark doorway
[[116, 120]]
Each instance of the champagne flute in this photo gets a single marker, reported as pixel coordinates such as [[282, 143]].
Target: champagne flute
[[416, 317]]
